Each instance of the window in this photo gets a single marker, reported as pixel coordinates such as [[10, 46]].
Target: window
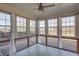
[[32, 26], [52, 26], [4, 25], [68, 26], [21, 25], [42, 27]]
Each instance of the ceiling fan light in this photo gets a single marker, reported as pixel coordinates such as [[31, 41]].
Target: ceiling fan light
[[41, 9]]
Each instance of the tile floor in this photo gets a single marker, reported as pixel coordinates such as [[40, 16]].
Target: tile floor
[[42, 50]]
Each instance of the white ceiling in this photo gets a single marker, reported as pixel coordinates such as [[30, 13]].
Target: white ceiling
[[29, 8]]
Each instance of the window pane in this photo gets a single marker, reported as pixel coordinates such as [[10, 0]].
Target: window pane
[[42, 27], [24, 29], [52, 26], [8, 22], [69, 44], [42, 23], [32, 26], [32, 23], [7, 29], [68, 26], [2, 15], [50, 31], [8, 16], [18, 29], [42, 30], [2, 31], [50, 23], [2, 22], [21, 25]]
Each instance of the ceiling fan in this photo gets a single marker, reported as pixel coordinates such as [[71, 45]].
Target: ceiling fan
[[41, 7]]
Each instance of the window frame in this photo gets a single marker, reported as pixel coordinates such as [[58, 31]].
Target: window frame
[[32, 27], [6, 26], [50, 26], [42, 28], [73, 26], [21, 27]]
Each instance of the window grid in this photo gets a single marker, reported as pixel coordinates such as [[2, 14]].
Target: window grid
[[4, 25], [21, 25], [42, 27], [32, 26], [68, 26], [52, 27]]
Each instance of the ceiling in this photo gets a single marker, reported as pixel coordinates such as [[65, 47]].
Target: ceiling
[[29, 9]]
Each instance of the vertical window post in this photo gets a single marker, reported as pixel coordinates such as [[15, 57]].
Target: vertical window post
[[59, 23], [28, 31], [46, 30], [36, 30], [12, 37]]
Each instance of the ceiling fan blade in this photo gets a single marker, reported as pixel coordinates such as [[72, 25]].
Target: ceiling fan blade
[[49, 6], [39, 4]]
